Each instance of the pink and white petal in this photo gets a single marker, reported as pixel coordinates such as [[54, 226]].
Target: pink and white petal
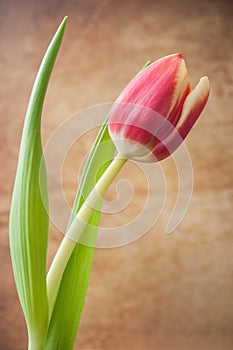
[[175, 113], [192, 109], [193, 106], [173, 118], [155, 86], [182, 89], [136, 123], [167, 146], [129, 148]]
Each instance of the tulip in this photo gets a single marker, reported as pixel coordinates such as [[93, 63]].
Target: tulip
[[157, 109], [148, 121]]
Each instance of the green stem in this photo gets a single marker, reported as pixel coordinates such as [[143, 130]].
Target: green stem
[[36, 341], [76, 228], [35, 345]]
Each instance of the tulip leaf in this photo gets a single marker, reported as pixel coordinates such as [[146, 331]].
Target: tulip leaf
[[73, 287], [28, 216]]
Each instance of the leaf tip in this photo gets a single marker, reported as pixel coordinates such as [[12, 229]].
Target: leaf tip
[[63, 23]]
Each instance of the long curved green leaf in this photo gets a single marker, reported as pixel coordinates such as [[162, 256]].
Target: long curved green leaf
[[28, 216], [72, 292], [73, 287]]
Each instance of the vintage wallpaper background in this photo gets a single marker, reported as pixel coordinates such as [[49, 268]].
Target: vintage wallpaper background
[[161, 292]]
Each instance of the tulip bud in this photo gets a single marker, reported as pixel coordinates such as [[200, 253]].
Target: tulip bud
[[155, 112]]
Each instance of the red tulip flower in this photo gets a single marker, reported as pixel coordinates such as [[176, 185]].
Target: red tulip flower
[[157, 109]]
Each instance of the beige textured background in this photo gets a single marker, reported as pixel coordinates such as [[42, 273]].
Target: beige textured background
[[161, 292]]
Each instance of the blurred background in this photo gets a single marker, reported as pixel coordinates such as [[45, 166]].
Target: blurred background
[[160, 292]]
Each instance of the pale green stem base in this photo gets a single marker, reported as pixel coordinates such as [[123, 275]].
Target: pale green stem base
[[36, 340], [76, 228]]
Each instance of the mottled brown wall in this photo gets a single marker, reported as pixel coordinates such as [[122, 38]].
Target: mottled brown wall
[[161, 292]]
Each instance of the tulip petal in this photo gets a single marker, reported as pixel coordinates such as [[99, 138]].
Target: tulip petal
[[155, 86], [182, 89], [193, 106]]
